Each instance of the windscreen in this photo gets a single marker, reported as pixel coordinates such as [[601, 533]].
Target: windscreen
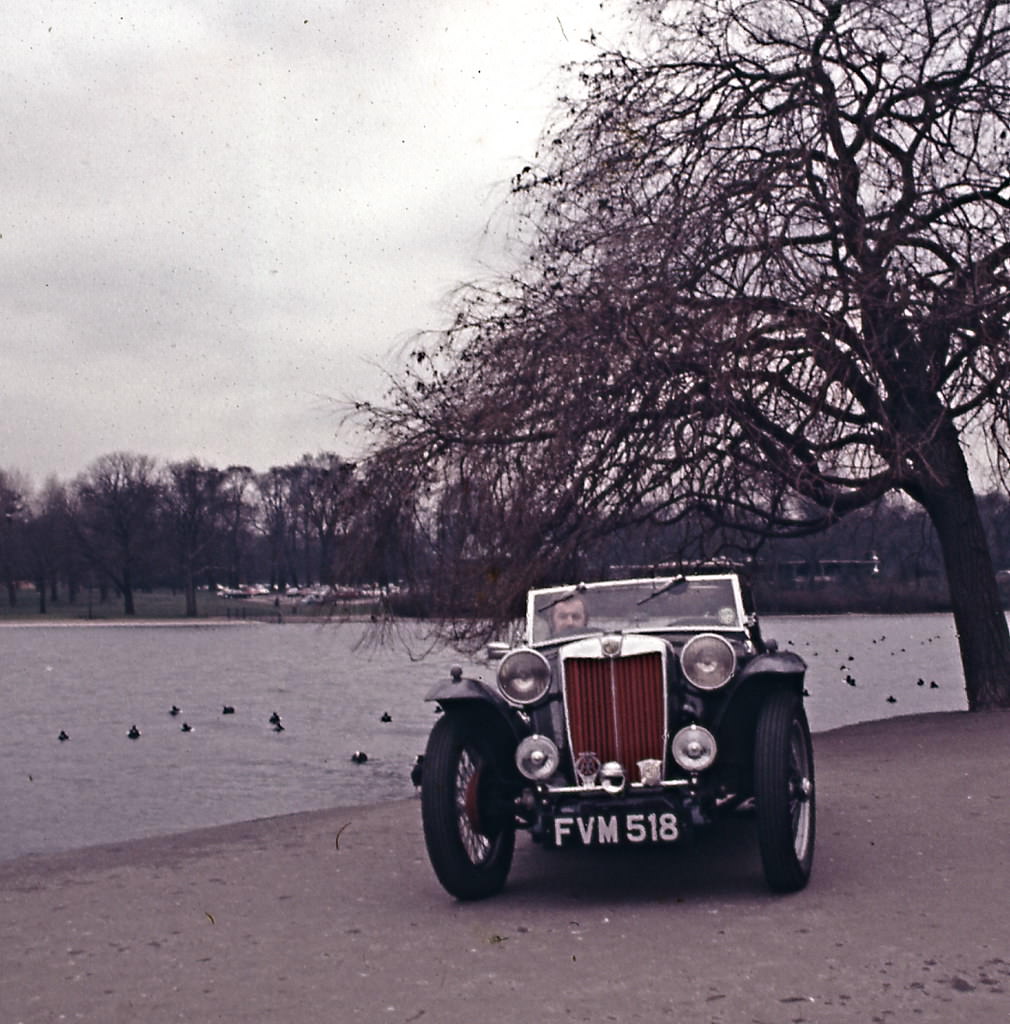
[[698, 603]]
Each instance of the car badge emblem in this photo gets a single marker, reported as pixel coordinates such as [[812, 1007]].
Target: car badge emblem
[[587, 768], [651, 771], [611, 646]]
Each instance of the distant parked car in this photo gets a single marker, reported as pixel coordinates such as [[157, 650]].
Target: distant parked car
[[632, 712]]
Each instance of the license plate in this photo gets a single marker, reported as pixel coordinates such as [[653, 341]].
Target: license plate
[[605, 829]]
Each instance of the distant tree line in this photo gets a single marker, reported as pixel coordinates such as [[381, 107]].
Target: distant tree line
[[882, 558], [129, 523]]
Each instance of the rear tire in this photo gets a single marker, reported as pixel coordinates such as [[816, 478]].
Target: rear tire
[[784, 792], [470, 851]]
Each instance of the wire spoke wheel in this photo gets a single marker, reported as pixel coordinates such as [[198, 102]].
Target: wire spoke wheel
[[469, 846], [801, 804], [784, 792], [477, 845]]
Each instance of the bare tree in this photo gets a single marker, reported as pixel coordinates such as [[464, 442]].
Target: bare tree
[[113, 507], [275, 489], [324, 492], [14, 496], [48, 540], [192, 507], [766, 284], [238, 514]]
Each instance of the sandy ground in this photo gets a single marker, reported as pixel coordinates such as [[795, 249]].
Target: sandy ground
[[336, 916]]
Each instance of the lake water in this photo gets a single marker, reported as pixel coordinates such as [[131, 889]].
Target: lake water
[[331, 686]]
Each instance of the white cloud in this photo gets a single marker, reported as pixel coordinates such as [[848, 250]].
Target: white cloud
[[216, 213]]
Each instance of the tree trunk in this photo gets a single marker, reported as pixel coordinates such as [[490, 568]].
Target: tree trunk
[[949, 500], [129, 608], [327, 545]]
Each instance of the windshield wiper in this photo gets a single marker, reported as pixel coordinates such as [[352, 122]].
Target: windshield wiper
[[580, 589], [674, 584]]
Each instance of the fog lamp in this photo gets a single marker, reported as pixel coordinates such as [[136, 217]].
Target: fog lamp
[[524, 676], [693, 748], [537, 757]]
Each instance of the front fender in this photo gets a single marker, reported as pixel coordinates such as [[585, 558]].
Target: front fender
[[779, 664], [773, 670], [459, 689], [468, 696]]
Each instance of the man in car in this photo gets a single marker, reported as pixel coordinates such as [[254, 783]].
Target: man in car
[[568, 616]]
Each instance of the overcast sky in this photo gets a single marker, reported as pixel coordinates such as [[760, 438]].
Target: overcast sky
[[217, 217]]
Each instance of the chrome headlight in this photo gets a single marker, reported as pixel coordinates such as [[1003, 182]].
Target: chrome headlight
[[537, 757], [708, 661], [524, 676], [693, 748]]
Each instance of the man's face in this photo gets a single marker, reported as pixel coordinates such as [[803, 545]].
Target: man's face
[[568, 615]]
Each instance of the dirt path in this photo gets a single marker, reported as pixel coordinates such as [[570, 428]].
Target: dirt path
[[336, 916]]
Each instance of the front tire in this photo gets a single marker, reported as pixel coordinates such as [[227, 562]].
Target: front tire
[[469, 846], [784, 792]]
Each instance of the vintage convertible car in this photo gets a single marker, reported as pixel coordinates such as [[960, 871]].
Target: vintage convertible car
[[632, 712]]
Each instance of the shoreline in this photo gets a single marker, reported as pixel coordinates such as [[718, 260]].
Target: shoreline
[[267, 613], [336, 914], [88, 623], [174, 835], [273, 619]]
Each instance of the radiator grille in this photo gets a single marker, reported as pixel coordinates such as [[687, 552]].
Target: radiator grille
[[616, 707]]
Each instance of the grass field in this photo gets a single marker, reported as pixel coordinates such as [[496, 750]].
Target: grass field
[[163, 604]]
